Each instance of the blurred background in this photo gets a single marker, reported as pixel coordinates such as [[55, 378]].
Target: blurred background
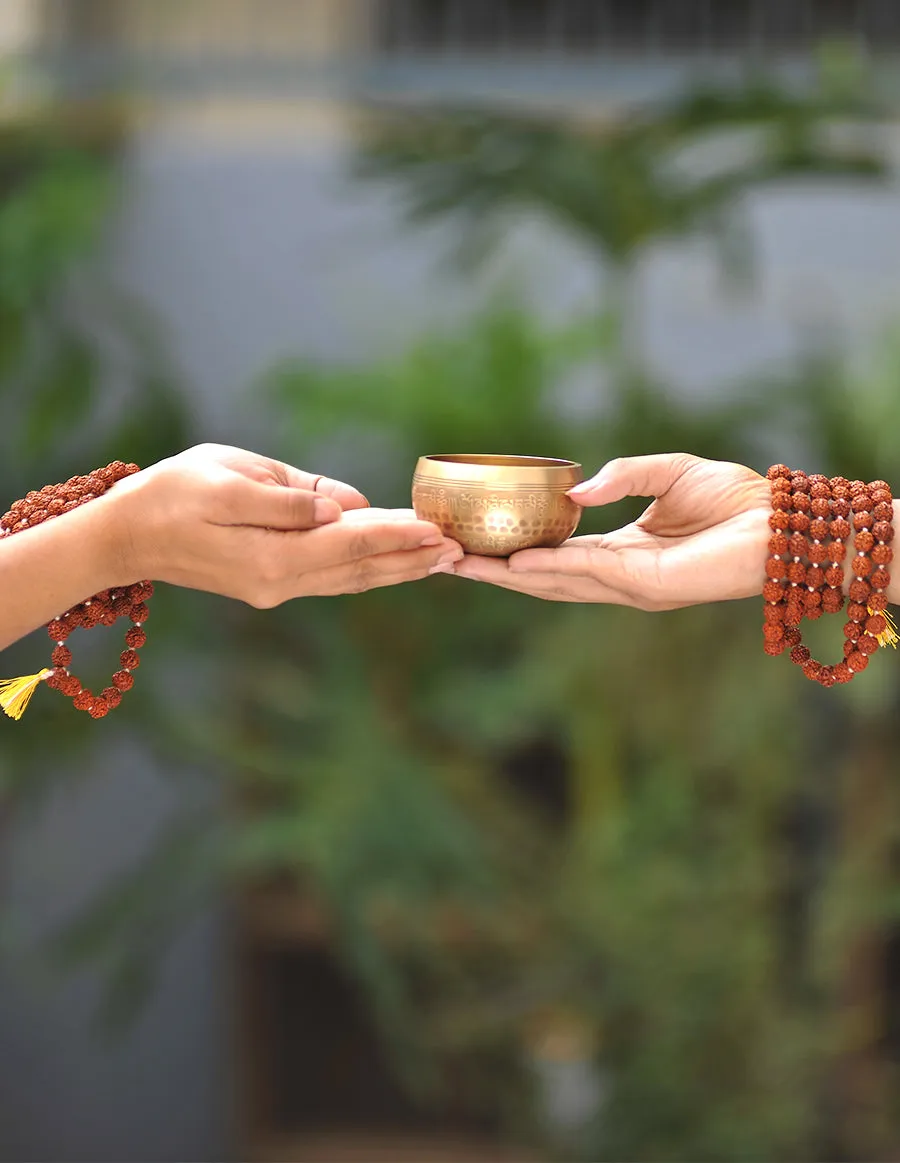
[[445, 873]]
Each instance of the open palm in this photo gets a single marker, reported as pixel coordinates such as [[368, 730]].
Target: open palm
[[702, 539]]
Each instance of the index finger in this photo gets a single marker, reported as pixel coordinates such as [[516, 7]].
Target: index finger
[[370, 515], [346, 495], [556, 586], [593, 561]]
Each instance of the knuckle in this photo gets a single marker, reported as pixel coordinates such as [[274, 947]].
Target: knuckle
[[270, 570], [361, 577], [362, 545], [409, 575], [226, 496], [300, 507], [264, 597], [560, 594], [682, 463]]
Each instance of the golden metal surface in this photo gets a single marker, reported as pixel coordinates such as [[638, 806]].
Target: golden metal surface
[[497, 505]]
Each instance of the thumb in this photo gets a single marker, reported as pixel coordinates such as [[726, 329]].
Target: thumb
[[274, 506], [633, 476]]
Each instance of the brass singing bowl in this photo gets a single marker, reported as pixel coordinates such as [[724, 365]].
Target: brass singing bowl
[[497, 505]]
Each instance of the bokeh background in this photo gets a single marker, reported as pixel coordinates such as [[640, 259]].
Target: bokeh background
[[443, 872]]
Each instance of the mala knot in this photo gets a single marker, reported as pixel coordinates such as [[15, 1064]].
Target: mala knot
[[883, 627]]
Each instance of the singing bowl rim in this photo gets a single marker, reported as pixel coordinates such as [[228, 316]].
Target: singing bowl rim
[[497, 469]]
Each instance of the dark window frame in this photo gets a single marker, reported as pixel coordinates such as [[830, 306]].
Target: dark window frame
[[574, 26]]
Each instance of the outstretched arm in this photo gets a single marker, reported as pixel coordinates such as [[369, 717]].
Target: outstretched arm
[[46, 570], [703, 538], [217, 519]]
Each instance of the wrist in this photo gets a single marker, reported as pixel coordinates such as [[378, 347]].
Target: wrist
[[118, 545], [758, 535]]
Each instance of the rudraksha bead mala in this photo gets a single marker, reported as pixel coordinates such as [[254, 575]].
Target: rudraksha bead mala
[[813, 520], [103, 609]]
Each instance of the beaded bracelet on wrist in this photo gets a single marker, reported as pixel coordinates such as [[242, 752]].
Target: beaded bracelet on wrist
[[812, 520], [103, 609]]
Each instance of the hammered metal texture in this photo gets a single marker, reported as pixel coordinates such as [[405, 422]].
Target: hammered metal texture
[[500, 520]]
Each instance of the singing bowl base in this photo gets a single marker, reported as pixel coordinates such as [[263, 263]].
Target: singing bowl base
[[496, 505]]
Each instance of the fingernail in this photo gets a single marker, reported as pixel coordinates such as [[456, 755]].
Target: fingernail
[[435, 539], [325, 510], [444, 567]]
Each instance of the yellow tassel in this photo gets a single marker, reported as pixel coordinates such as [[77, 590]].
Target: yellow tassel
[[15, 693], [888, 636]]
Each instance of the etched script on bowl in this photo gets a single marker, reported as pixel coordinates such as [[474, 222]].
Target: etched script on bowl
[[495, 505]]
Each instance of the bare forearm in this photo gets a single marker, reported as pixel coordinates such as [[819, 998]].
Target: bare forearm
[[47, 570], [893, 593]]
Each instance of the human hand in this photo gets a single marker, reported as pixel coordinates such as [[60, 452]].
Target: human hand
[[703, 539], [235, 523]]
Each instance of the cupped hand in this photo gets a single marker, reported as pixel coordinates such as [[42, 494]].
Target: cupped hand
[[236, 523], [702, 539]]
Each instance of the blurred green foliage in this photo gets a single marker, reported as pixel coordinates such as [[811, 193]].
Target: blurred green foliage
[[83, 376], [517, 815], [633, 824], [620, 182], [520, 817], [521, 811]]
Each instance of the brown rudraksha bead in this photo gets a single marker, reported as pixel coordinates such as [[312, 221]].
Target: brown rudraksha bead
[[812, 519], [103, 608]]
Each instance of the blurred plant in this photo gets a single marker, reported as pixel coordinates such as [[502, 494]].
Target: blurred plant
[[620, 184], [517, 817], [507, 807], [83, 378]]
